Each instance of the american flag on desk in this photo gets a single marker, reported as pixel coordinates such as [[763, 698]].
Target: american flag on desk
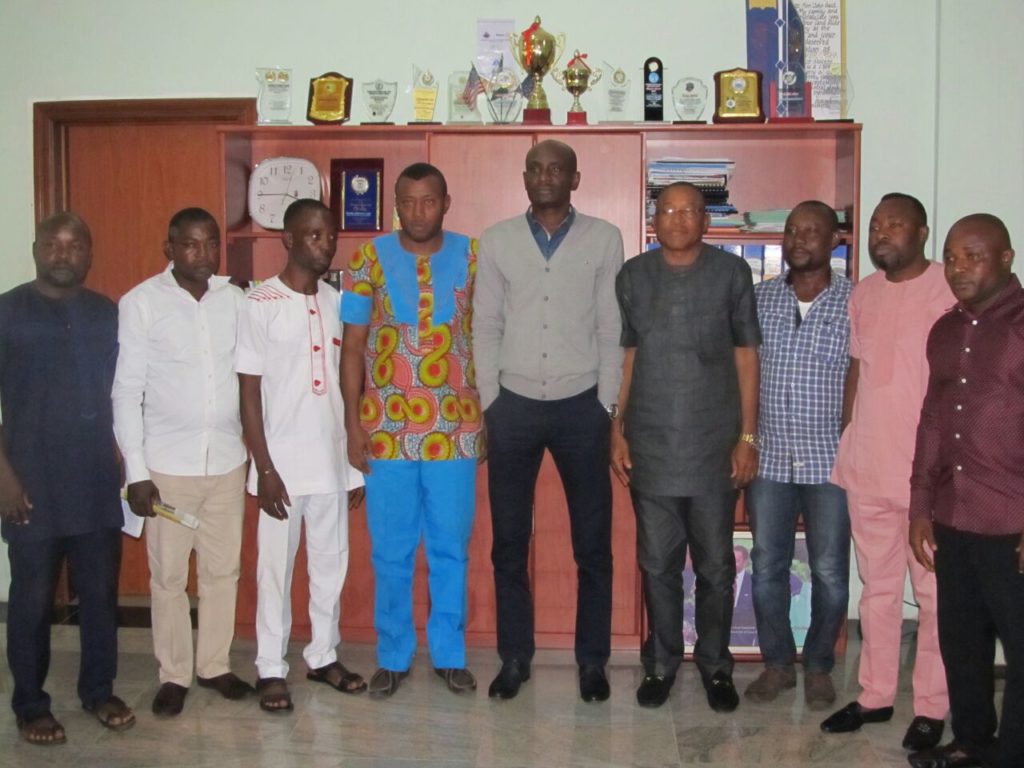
[[474, 87]]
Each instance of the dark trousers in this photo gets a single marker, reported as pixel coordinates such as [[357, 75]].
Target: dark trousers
[[576, 432], [93, 562], [981, 597], [665, 527]]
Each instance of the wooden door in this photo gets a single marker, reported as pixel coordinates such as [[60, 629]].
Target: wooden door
[[126, 167]]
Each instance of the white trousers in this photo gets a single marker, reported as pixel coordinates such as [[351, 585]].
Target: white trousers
[[326, 519]]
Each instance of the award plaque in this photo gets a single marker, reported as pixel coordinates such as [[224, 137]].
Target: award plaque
[[462, 98], [654, 90], [537, 51], [424, 96], [274, 99], [738, 96], [577, 78], [504, 96], [785, 107], [357, 188], [379, 98], [330, 99], [689, 97], [617, 95]]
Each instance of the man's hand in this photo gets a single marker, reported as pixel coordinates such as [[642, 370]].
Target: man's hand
[[356, 496], [272, 495], [359, 448], [621, 462], [922, 542], [744, 464], [142, 496], [14, 501]]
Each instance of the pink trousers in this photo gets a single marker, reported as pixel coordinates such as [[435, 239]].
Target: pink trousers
[[880, 530]]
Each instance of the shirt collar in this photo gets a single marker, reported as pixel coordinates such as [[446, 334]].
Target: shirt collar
[[536, 228], [216, 282]]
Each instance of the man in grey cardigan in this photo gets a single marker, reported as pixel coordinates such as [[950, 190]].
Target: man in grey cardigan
[[546, 349]]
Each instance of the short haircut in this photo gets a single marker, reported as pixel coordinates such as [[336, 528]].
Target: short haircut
[[63, 220], [187, 217], [910, 200], [568, 153], [684, 185], [827, 212], [1002, 234], [301, 206], [420, 171]]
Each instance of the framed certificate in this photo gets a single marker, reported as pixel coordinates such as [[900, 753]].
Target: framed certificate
[[357, 194]]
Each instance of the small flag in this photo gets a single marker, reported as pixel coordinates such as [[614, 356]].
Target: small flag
[[474, 87]]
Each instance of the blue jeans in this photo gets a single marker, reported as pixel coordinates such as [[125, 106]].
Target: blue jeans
[[774, 508]]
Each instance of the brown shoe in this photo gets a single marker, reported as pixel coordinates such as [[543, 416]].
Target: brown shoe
[[770, 683], [457, 680], [819, 693], [384, 683]]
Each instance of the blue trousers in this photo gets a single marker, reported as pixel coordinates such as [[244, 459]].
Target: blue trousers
[[407, 501], [93, 561], [774, 508]]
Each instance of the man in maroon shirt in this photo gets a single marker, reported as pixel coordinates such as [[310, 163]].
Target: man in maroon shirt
[[967, 493]]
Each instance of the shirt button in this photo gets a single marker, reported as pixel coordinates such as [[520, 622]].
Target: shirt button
[[312, 311], [545, 298], [544, 354], [959, 407], [957, 436], [974, 322], [959, 468], [967, 349], [547, 269], [963, 381], [545, 326]]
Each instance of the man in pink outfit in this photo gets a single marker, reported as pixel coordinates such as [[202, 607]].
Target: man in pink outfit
[[891, 313]]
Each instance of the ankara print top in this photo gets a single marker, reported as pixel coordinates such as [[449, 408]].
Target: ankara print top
[[419, 400]]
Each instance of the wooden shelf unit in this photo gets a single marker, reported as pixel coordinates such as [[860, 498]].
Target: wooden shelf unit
[[777, 166]]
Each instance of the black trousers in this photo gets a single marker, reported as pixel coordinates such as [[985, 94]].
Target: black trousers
[[576, 432], [93, 561], [981, 597], [665, 527]]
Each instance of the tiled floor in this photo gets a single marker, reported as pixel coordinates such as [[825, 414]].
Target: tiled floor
[[425, 725]]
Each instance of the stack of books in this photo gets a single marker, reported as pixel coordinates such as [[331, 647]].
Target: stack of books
[[710, 176]]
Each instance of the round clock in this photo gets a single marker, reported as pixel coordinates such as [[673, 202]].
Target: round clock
[[276, 183]]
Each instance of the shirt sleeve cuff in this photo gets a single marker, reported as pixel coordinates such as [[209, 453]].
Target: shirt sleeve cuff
[[920, 504], [135, 469]]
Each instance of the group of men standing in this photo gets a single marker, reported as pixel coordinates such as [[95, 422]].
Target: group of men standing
[[441, 353]]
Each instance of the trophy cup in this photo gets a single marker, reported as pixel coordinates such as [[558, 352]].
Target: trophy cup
[[576, 78], [504, 97], [536, 51]]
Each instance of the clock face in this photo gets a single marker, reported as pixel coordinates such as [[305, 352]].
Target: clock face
[[276, 183]]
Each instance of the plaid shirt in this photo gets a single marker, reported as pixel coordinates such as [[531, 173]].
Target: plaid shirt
[[803, 369]]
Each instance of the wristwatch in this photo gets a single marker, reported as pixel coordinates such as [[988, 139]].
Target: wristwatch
[[613, 411], [752, 439]]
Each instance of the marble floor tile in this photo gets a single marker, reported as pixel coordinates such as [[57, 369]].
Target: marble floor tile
[[426, 726]]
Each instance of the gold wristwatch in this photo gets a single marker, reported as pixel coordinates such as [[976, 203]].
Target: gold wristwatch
[[752, 439]]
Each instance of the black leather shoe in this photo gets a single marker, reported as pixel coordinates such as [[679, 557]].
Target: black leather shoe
[[169, 700], [923, 733], [229, 685], [654, 690], [722, 696], [593, 683], [953, 755], [851, 717], [512, 675]]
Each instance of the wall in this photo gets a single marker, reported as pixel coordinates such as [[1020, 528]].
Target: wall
[[934, 80]]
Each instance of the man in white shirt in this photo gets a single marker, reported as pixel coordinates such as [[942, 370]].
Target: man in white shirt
[[177, 423], [289, 348]]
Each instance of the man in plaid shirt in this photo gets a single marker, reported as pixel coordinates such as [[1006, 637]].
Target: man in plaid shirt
[[804, 357]]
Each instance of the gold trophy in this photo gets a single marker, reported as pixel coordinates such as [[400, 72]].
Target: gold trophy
[[577, 78], [536, 51]]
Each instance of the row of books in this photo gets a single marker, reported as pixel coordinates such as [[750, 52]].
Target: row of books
[[711, 176]]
